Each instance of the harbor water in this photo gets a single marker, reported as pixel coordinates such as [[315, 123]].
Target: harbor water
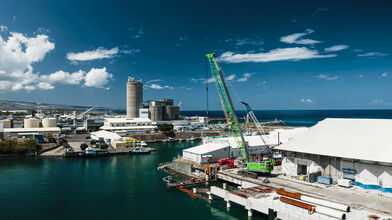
[[115, 187]]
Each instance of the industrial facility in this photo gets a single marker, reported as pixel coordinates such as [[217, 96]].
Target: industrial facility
[[156, 110], [358, 150]]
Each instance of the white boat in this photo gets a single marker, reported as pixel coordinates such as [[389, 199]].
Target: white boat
[[142, 143], [191, 139]]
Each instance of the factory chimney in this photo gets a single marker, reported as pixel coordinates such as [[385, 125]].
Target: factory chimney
[[134, 97]]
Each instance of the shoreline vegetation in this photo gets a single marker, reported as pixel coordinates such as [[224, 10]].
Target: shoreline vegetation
[[27, 147]]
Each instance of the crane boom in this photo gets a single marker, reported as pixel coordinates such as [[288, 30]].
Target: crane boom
[[252, 115], [228, 108], [251, 168]]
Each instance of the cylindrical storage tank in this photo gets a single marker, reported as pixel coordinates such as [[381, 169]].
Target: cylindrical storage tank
[[172, 112], [31, 123], [6, 123], [134, 97], [49, 122], [156, 113]]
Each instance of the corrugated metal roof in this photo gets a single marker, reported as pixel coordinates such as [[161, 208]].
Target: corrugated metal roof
[[205, 148], [364, 139]]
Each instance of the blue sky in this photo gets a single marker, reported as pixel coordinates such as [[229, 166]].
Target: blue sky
[[275, 54]]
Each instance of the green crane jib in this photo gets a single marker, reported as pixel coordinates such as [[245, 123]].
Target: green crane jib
[[228, 107], [232, 121]]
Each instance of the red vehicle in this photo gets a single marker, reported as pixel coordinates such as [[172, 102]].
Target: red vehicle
[[226, 161]]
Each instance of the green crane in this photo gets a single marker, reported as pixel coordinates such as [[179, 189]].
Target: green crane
[[250, 168]]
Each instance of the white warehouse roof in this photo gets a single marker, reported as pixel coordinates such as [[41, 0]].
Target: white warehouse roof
[[125, 120], [256, 140], [205, 148], [363, 139], [105, 135]]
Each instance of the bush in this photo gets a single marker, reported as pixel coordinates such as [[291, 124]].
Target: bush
[[166, 128], [30, 145]]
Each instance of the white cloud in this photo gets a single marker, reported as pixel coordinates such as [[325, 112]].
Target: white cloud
[[45, 86], [321, 76], [130, 51], [17, 55], [247, 41], [296, 38], [336, 48], [157, 86], [326, 77], [245, 77], [372, 54], [384, 74], [360, 76], [378, 102], [332, 78], [137, 34], [65, 77], [99, 53], [154, 80], [3, 28], [98, 78], [306, 101], [279, 54], [230, 78]]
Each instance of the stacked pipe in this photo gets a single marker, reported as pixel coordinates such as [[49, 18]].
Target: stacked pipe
[[324, 207]]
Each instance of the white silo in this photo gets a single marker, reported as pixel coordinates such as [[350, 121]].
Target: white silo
[[134, 97], [6, 123], [49, 122], [31, 123]]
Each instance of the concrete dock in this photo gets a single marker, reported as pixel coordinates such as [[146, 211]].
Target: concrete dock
[[363, 203]]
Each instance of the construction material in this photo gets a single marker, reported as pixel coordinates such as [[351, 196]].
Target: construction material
[[319, 209], [326, 203], [289, 194], [313, 200]]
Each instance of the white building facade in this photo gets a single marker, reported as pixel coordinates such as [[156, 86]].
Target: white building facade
[[128, 126], [355, 149]]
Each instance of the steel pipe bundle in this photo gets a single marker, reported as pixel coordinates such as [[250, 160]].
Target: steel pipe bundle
[[319, 209], [322, 202]]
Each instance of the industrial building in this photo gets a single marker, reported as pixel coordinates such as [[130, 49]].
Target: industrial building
[[127, 126], [190, 123], [356, 149], [214, 146], [199, 154], [32, 127], [156, 110], [163, 110], [93, 124]]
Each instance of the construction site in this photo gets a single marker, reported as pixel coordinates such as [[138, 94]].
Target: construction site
[[328, 171]]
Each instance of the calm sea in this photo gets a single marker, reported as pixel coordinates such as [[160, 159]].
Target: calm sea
[[115, 187], [301, 117]]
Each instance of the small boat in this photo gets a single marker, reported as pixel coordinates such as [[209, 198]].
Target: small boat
[[89, 152], [140, 150], [191, 139], [142, 143], [170, 139]]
